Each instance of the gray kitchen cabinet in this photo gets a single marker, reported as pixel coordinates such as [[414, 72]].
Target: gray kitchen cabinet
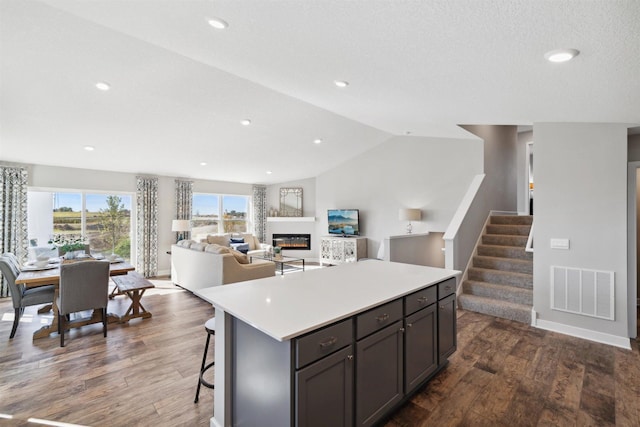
[[421, 346], [379, 374], [447, 342], [324, 391]]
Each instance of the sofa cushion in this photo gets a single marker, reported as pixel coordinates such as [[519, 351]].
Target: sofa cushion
[[222, 239], [236, 240], [198, 246], [239, 256], [185, 243], [216, 249], [252, 241]]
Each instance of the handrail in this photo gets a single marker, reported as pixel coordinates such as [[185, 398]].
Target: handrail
[[466, 225]]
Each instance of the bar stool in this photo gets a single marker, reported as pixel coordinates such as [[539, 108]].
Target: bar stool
[[210, 327]]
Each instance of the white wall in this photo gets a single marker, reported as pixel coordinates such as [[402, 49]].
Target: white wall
[[57, 178], [431, 174], [500, 165], [580, 173]]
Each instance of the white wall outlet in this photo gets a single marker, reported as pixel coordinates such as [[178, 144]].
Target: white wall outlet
[[560, 244]]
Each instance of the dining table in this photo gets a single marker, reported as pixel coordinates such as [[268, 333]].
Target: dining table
[[33, 276]]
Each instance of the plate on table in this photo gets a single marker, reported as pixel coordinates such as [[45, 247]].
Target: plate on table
[[36, 268]]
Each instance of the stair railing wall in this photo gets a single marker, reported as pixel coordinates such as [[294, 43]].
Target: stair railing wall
[[466, 226]]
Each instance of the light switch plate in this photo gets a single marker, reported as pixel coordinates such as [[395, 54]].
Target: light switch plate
[[560, 244]]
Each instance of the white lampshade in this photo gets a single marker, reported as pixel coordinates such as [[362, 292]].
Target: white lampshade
[[180, 225], [410, 214]]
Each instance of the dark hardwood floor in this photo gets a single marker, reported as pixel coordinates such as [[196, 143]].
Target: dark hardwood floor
[[145, 373]]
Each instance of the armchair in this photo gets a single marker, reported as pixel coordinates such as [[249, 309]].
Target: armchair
[[21, 296]]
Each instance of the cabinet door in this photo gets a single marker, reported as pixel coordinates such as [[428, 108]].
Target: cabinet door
[[420, 352], [324, 391], [446, 328], [379, 374], [325, 250], [350, 251]]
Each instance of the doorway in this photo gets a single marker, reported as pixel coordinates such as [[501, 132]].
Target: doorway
[[529, 180]]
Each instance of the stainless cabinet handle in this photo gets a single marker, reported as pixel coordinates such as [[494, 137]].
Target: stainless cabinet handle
[[442, 307], [409, 325], [382, 318], [401, 329], [350, 357], [447, 288], [331, 341], [423, 299]]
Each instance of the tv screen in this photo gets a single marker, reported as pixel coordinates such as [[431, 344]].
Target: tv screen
[[344, 222]]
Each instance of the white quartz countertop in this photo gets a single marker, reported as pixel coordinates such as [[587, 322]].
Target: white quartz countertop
[[285, 307]]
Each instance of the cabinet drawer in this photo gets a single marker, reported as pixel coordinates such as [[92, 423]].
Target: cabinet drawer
[[420, 299], [323, 342], [446, 288], [378, 318]]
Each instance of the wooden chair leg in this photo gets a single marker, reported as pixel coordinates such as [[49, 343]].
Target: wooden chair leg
[[61, 327], [104, 321], [16, 320]]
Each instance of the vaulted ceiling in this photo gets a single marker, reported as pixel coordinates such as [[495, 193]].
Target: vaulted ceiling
[[179, 88]]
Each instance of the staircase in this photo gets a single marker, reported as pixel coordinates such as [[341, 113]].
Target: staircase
[[500, 281]]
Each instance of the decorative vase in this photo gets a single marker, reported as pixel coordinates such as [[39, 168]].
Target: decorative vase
[[70, 255]]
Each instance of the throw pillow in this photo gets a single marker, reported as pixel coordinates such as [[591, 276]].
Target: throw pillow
[[216, 249], [236, 240], [239, 256], [219, 240]]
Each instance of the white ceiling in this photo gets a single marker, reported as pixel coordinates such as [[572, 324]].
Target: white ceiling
[[180, 87]]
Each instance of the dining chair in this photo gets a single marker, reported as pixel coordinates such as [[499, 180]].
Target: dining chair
[[84, 285], [21, 296]]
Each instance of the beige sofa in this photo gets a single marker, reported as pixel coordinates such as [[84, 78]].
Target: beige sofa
[[197, 265], [255, 247]]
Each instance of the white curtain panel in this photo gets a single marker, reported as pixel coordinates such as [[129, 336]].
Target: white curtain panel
[[260, 212], [13, 215], [147, 218]]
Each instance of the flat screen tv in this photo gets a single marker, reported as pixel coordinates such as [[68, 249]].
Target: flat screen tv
[[345, 222]]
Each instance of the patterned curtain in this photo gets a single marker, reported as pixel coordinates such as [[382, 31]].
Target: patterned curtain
[[184, 201], [147, 238], [13, 215], [260, 212]]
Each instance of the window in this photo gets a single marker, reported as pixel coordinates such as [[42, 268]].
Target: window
[[217, 213], [103, 220]]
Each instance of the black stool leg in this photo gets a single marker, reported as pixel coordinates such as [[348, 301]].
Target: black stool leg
[[204, 361]]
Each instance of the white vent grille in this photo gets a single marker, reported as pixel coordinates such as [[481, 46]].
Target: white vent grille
[[582, 291]]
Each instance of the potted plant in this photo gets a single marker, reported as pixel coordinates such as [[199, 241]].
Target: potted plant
[[68, 244], [276, 252]]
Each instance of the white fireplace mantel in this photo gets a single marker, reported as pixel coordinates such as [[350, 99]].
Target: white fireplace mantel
[[291, 219]]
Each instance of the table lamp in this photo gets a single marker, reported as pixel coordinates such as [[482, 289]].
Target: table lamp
[[180, 226], [410, 215]]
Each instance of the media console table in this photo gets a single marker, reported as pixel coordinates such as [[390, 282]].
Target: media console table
[[339, 346]]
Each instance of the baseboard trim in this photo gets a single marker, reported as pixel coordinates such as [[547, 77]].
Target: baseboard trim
[[586, 334], [163, 273]]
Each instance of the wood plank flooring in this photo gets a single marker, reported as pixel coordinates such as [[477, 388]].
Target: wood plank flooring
[[145, 373]]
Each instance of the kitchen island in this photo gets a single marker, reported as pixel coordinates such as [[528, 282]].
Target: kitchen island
[[337, 346]]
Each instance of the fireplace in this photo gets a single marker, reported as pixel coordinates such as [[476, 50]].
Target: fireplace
[[301, 242]]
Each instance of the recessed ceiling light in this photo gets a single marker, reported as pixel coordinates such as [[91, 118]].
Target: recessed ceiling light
[[217, 23], [269, 172], [89, 147], [203, 163], [103, 86], [245, 122], [561, 55], [317, 141], [341, 83]]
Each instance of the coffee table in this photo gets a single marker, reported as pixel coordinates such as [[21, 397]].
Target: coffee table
[[281, 261]]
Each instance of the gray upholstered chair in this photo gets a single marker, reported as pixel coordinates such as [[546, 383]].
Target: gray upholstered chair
[[22, 297], [84, 285]]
